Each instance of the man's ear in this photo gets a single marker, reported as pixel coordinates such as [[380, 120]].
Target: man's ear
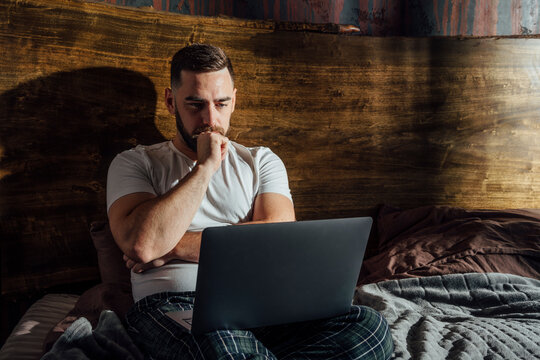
[[169, 101]]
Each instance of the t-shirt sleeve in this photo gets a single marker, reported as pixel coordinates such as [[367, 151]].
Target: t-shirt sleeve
[[273, 175], [128, 173]]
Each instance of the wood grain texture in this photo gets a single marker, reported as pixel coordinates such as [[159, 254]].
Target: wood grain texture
[[358, 121]]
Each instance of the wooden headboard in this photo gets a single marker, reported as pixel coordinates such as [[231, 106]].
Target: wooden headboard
[[358, 121]]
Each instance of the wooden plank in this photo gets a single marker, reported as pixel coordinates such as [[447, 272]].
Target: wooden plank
[[358, 121]]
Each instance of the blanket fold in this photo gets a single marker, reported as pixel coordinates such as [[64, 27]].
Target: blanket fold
[[459, 316], [109, 340]]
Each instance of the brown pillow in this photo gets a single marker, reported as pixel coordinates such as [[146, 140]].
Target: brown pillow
[[111, 265], [438, 240], [114, 293]]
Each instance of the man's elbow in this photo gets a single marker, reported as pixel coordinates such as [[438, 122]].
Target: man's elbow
[[137, 249]]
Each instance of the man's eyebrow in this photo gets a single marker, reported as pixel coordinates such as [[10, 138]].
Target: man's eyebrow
[[194, 98], [199, 99]]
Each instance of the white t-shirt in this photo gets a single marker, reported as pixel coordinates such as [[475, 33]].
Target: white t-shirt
[[244, 173]]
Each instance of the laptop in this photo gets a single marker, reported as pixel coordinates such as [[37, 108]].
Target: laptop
[[269, 274]]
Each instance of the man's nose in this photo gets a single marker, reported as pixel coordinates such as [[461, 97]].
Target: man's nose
[[210, 116]]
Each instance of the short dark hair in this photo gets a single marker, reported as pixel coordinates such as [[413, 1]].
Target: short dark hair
[[199, 58]]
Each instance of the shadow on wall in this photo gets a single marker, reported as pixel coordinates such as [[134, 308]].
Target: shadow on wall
[[58, 135]]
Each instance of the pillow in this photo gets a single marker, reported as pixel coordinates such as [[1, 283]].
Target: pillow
[[111, 265], [114, 293], [437, 240]]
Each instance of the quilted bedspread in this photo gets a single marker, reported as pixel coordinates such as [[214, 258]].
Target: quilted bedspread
[[460, 316]]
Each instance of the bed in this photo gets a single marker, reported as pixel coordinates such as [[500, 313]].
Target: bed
[[456, 284], [452, 283], [435, 138]]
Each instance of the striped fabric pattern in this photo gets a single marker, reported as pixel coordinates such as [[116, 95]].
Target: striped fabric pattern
[[361, 334]]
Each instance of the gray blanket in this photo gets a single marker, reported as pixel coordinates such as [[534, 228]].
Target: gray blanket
[[109, 340], [460, 316]]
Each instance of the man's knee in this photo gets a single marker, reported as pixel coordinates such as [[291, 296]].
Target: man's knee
[[233, 344], [371, 331]]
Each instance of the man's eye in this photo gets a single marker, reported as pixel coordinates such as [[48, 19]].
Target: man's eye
[[221, 105], [196, 106]]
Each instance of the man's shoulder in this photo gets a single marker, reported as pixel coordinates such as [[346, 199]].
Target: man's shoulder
[[146, 150], [141, 156], [253, 151], [158, 147], [258, 157]]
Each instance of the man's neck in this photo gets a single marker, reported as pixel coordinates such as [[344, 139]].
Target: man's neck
[[181, 146]]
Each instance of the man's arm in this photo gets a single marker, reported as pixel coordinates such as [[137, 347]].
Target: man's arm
[[268, 207], [272, 207], [147, 227]]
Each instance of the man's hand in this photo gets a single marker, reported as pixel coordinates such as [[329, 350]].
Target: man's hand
[[211, 149], [139, 267]]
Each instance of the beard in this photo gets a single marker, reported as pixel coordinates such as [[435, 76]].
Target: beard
[[191, 139]]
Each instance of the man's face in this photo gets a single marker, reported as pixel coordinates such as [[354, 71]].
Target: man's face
[[204, 102]]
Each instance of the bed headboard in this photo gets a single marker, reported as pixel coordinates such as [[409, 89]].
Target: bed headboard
[[358, 121]]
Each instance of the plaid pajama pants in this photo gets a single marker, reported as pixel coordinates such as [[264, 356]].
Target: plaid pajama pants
[[361, 334]]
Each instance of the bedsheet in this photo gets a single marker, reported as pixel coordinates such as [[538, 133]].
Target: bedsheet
[[459, 316], [26, 340]]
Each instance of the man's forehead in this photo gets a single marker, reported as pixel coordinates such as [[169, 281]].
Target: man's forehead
[[222, 75], [208, 85]]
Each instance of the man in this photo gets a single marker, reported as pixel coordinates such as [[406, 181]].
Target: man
[[161, 197]]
